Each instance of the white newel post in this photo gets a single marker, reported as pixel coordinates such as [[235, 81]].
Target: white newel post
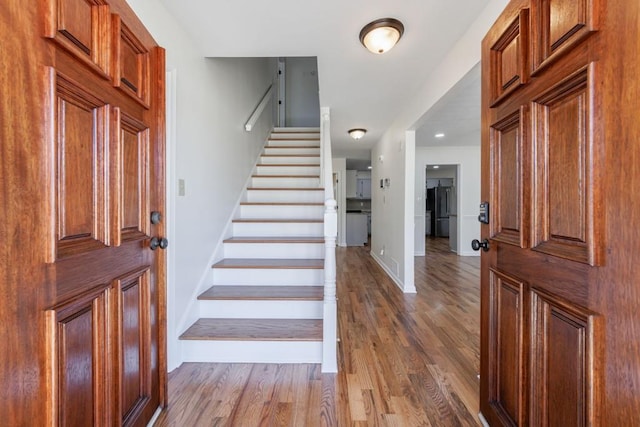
[[330, 318]]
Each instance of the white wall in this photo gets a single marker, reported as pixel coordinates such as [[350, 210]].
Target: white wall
[[468, 192], [340, 166], [302, 103], [398, 143], [213, 154]]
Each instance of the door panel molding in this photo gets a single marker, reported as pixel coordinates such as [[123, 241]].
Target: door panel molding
[[566, 362], [560, 25], [509, 58], [510, 179], [80, 165], [508, 345], [567, 191], [82, 27]]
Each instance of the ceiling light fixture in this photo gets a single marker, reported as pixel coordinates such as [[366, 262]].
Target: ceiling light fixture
[[357, 133], [439, 135], [381, 35], [436, 167]]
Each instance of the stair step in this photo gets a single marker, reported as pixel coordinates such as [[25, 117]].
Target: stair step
[[298, 129], [274, 239], [288, 147], [278, 293], [277, 220], [288, 159], [269, 263], [269, 181], [255, 330], [285, 176], [279, 204]]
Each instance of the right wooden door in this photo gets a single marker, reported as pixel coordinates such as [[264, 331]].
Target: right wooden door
[[560, 153]]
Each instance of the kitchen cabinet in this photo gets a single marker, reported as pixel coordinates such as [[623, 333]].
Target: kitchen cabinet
[[358, 184], [356, 229], [363, 188], [352, 184]]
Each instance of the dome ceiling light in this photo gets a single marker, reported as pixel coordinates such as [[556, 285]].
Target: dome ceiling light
[[357, 133], [381, 35]]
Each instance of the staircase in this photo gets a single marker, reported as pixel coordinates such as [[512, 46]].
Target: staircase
[[266, 302]]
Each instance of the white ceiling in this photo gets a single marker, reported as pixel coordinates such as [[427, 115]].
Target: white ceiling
[[362, 89], [456, 114]]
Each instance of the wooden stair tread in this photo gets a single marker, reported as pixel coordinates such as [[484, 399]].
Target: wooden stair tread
[[292, 165], [244, 239], [287, 188], [280, 204], [278, 220], [261, 293], [290, 155], [255, 330], [285, 176], [270, 263], [292, 146]]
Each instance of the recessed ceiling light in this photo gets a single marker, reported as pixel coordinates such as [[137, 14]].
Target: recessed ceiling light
[[439, 135], [436, 167], [369, 167]]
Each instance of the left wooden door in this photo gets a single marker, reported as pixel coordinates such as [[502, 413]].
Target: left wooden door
[[82, 126]]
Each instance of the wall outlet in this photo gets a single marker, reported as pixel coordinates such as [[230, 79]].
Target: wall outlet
[[181, 187]]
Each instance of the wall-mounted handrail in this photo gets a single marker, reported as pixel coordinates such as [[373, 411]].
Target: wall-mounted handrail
[[330, 307], [259, 109]]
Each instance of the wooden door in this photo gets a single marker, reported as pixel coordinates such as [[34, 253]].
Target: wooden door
[[560, 160], [83, 171]]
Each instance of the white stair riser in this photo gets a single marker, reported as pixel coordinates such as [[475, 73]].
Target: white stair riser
[[292, 150], [281, 212], [285, 196], [293, 142], [288, 170], [252, 351], [274, 250], [286, 160], [235, 309], [270, 229], [268, 276], [307, 129], [289, 182]]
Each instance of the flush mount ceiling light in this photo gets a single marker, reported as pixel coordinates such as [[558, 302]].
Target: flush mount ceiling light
[[381, 35], [357, 133]]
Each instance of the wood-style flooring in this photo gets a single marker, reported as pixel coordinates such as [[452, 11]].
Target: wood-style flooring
[[404, 360]]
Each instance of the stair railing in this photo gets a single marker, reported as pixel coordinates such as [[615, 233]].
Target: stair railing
[[330, 309], [259, 109]]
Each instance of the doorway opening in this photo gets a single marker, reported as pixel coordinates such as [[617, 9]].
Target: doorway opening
[[441, 212]]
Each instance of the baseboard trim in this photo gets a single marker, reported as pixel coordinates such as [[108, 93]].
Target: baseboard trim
[[392, 276]]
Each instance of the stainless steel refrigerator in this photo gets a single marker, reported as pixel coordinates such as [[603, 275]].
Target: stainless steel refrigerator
[[439, 202]]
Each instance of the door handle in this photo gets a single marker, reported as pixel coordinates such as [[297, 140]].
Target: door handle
[[158, 242], [477, 244]]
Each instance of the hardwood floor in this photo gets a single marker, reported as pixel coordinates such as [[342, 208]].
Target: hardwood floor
[[405, 360]]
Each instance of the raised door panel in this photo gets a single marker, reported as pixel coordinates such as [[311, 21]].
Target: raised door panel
[[559, 25], [566, 363], [131, 63], [567, 159], [82, 28], [131, 179], [507, 348], [78, 349], [79, 133], [509, 58], [133, 366], [509, 180]]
